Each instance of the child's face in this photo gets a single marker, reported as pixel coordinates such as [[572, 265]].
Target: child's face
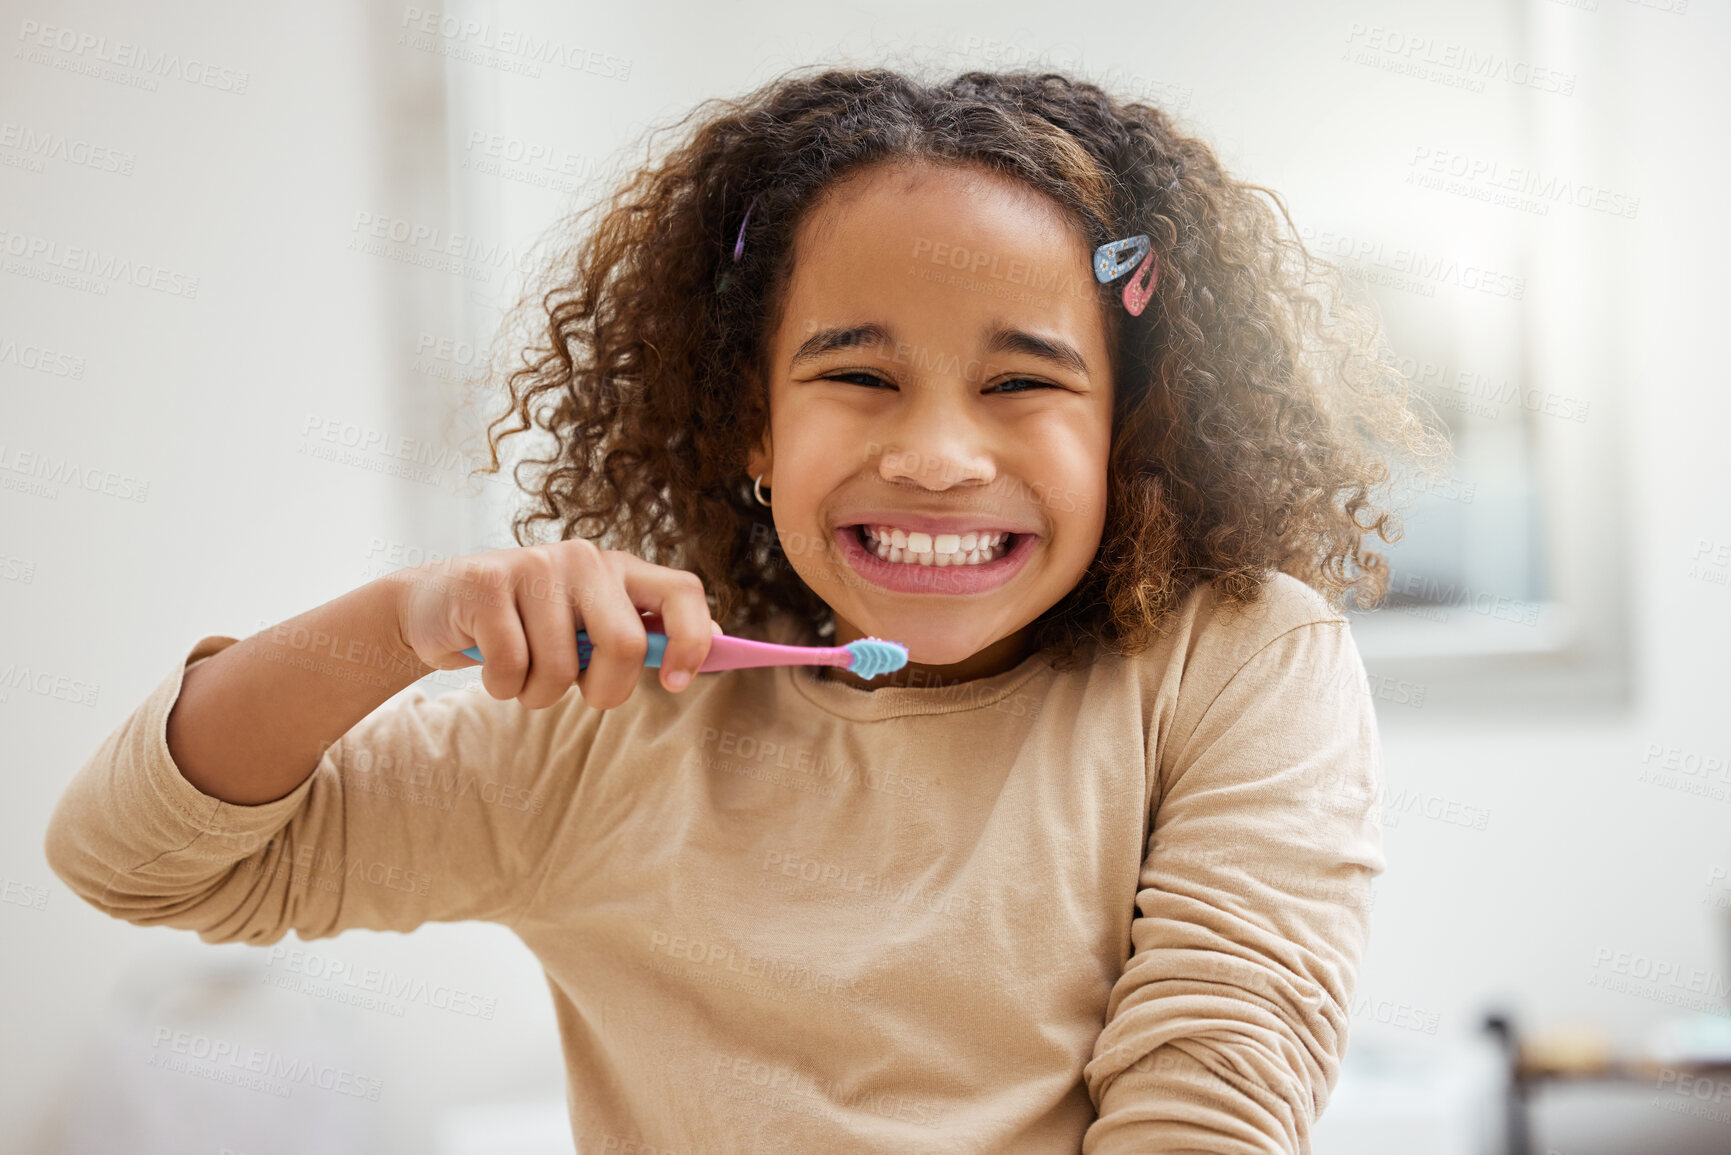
[[930, 424]]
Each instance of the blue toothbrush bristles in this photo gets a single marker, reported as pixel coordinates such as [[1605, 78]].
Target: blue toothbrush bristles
[[874, 656]]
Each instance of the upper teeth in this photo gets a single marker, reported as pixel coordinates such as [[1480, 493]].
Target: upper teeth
[[943, 549]]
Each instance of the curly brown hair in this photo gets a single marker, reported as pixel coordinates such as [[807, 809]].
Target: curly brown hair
[[1252, 415]]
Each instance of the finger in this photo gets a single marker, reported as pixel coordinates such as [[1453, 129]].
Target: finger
[[549, 624], [505, 650], [676, 596], [617, 638]]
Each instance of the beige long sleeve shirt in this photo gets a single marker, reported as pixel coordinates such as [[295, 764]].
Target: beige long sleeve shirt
[[1116, 908]]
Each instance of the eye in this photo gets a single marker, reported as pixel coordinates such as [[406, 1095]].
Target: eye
[[1024, 381], [871, 378]]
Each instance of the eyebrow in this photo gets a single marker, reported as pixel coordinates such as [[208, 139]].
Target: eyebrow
[[1000, 338]]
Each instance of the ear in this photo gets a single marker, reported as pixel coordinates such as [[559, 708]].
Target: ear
[[761, 459]]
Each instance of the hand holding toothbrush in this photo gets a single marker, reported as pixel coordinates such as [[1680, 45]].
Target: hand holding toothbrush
[[549, 615]]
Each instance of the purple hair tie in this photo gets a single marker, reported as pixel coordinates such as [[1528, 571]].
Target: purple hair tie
[[739, 242]]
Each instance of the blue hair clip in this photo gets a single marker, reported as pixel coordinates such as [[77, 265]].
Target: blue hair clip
[[1109, 266], [1115, 258]]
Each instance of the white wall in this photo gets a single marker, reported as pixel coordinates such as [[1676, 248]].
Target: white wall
[[207, 399]]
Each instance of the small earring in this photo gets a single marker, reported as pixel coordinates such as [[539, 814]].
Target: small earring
[[757, 490]]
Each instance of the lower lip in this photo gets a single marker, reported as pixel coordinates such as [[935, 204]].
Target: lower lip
[[931, 579]]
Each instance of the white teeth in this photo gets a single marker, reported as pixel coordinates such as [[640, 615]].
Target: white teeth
[[943, 549]]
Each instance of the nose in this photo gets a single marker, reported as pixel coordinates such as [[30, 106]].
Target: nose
[[937, 445]]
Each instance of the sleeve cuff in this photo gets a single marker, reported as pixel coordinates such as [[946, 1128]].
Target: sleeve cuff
[[1169, 1101]]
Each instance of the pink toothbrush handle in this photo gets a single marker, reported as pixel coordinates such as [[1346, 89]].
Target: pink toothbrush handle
[[730, 653]]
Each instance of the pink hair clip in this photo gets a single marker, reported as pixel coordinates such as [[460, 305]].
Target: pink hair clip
[[1115, 258]]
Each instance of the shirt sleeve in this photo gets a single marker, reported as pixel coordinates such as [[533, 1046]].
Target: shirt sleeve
[[428, 809], [1226, 1029]]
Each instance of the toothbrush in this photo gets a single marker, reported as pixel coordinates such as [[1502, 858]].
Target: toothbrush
[[868, 657]]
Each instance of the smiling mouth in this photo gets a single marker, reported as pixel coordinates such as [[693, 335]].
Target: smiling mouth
[[938, 551]]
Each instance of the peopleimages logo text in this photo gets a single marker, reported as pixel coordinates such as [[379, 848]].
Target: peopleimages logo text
[[125, 54]]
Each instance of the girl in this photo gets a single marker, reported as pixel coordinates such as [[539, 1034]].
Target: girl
[[1003, 369]]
